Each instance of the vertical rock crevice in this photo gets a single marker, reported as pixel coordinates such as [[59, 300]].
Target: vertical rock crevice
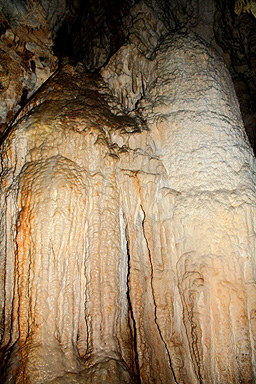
[[145, 224], [131, 319]]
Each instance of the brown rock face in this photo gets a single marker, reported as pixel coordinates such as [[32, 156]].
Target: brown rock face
[[127, 226], [26, 56]]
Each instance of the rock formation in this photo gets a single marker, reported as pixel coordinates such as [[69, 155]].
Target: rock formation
[[37, 34], [26, 56], [127, 225]]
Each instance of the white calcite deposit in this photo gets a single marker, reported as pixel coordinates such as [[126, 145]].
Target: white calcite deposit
[[127, 226]]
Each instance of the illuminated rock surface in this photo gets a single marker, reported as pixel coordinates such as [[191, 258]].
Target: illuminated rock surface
[[127, 232]]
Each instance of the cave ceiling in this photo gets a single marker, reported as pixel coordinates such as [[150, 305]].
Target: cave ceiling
[[37, 36]]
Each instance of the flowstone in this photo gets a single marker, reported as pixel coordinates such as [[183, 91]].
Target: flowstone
[[127, 226]]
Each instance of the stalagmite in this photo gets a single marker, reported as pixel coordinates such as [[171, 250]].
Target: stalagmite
[[127, 225]]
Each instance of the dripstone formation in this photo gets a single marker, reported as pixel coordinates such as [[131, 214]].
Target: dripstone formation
[[127, 236], [127, 241]]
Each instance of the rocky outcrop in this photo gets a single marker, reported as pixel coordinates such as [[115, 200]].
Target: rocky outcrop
[[127, 231]]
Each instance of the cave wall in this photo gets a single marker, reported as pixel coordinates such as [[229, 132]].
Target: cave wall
[[37, 35], [26, 56], [127, 230]]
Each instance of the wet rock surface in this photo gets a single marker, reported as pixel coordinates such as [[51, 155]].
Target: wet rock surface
[[36, 35], [127, 225]]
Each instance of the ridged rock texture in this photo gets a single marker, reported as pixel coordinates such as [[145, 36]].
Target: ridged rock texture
[[36, 34], [128, 225]]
